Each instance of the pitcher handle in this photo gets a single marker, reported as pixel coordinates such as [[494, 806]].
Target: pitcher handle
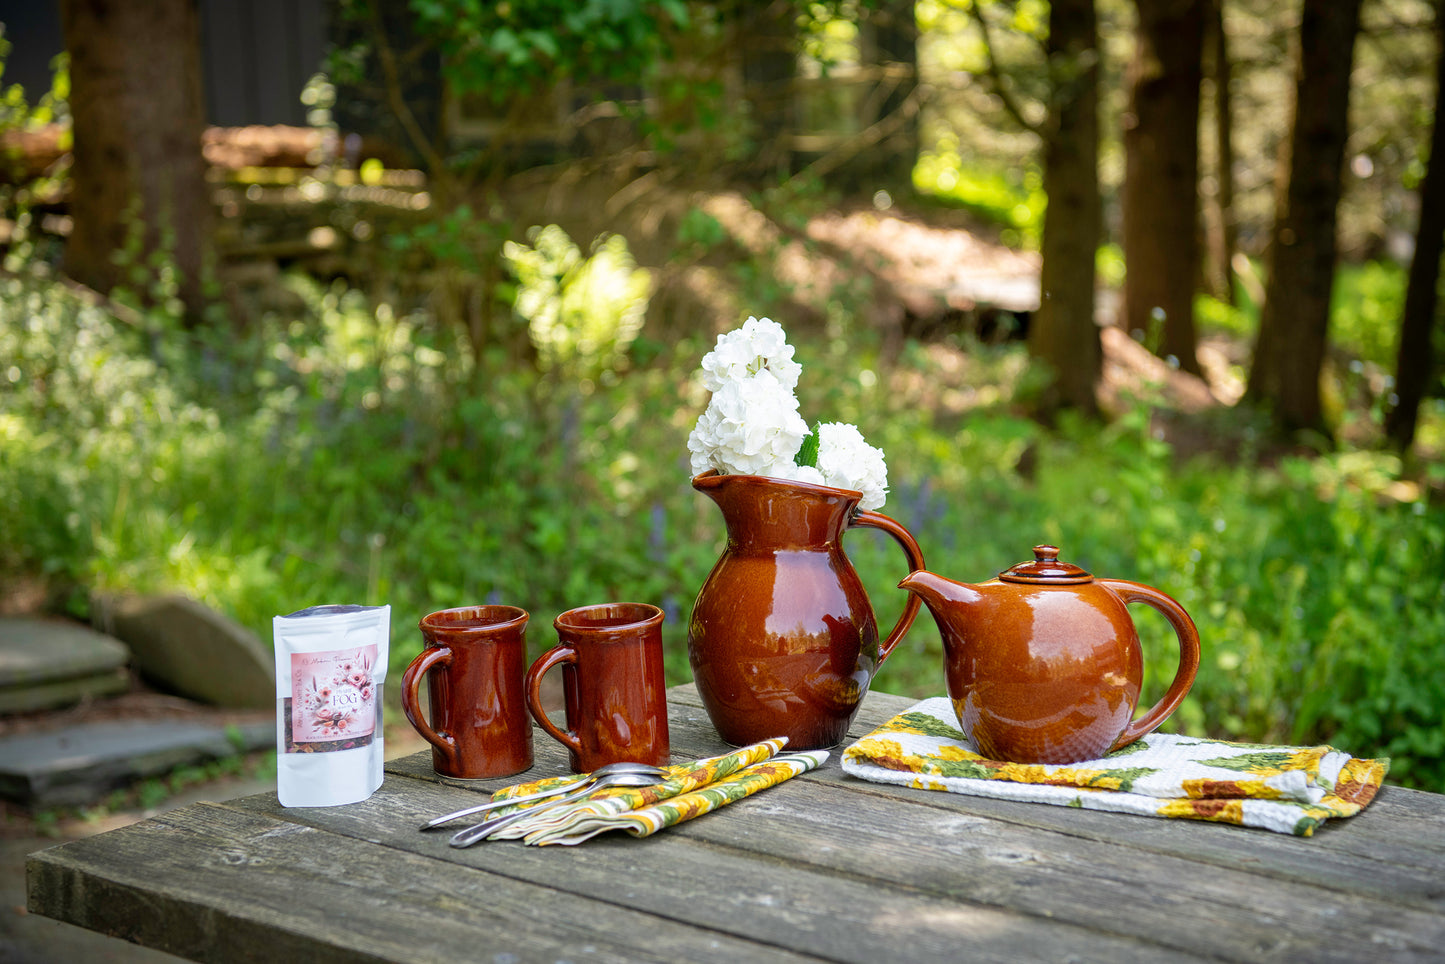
[[411, 700], [904, 538], [1184, 628]]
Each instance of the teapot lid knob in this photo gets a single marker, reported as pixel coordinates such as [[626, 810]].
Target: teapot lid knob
[[1046, 568]]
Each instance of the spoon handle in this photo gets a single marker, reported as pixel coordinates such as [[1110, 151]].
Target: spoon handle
[[486, 828], [483, 808]]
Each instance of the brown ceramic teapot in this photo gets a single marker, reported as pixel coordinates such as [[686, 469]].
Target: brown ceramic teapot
[[1043, 663]]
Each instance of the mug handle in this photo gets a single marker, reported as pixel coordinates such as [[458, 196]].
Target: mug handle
[[1184, 628], [904, 538], [561, 653], [411, 700]]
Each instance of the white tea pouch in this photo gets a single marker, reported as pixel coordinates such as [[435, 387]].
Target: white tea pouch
[[330, 664]]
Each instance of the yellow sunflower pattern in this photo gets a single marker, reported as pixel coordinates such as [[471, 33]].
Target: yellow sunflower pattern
[[1280, 788], [645, 821], [691, 790]]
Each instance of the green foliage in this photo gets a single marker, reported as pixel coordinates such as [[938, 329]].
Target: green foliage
[[699, 230], [1014, 200], [1109, 265], [582, 312], [457, 239], [17, 113], [1213, 315], [351, 453], [1365, 309], [503, 49]]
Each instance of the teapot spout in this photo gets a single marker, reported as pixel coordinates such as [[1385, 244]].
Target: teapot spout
[[940, 595]]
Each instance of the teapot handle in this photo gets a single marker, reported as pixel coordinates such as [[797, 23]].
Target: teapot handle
[[1184, 628], [904, 538]]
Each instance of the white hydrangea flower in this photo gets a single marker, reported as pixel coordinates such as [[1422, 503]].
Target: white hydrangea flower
[[848, 462], [759, 345], [751, 427], [801, 473]]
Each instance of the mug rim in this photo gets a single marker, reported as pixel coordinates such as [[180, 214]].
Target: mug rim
[[632, 615], [483, 618]]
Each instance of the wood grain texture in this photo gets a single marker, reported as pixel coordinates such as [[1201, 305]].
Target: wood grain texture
[[731, 882], [824, 867]]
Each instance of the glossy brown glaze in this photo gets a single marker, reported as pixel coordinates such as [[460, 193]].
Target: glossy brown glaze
[[782, 639], [613, 683], [473, 661], [1043, 664]]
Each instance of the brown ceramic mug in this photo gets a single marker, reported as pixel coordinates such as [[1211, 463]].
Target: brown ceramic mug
[[474, 661], [613, 685]]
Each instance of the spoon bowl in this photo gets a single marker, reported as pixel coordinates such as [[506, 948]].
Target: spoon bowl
[[584, 780]]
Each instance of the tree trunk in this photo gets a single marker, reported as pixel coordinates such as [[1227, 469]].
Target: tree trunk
[[766, 39], [137, 113], [1415, 364], [1063, 333], [1161, 176], [1223, 231], [1300, 261]]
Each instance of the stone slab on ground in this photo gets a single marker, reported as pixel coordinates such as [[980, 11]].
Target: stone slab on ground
[[191, 650], [47, 663], [77, 765]]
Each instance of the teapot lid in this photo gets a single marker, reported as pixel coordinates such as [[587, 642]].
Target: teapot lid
[[1046, 568]]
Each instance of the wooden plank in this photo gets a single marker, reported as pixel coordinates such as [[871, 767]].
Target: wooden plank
[[825, 867], [1402, 826], [1079, 875], [217, 884], [1295, 872], [778, 901], [1185, 905], [1393, 850], [1174, 900]]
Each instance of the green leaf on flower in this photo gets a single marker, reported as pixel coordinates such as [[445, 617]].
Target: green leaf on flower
[[808, 454]]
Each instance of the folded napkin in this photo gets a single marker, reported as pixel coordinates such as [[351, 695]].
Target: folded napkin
[[1281, 788], [691, 790], [645, 821]]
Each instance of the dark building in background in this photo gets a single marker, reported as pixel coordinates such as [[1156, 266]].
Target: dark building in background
[[256, 55]]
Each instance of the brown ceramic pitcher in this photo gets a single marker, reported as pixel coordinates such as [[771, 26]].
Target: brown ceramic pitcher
[[474, 661], [782, 638], [1043, 664], [613, 685]]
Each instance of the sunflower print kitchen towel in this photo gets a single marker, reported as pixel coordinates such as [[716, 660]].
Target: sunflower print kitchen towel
[[1280, 788], [681, 778], [646, 821], [554, 824]]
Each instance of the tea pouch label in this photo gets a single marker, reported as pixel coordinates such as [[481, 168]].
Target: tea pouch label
[[330, 666]]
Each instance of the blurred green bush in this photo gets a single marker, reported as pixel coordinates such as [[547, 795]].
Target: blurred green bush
[[350, 453]]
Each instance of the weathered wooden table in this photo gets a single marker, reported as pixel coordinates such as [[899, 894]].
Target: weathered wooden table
[[821, 868]]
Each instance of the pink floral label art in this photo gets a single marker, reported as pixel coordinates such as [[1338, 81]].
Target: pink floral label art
[[333, 700]]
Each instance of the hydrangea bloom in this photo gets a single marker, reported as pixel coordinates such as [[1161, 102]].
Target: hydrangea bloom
[[751, 427], [800, 473], [759, 345], [848, 462]]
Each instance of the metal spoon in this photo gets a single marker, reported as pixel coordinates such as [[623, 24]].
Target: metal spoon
[[586, 779], [485, 829]]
